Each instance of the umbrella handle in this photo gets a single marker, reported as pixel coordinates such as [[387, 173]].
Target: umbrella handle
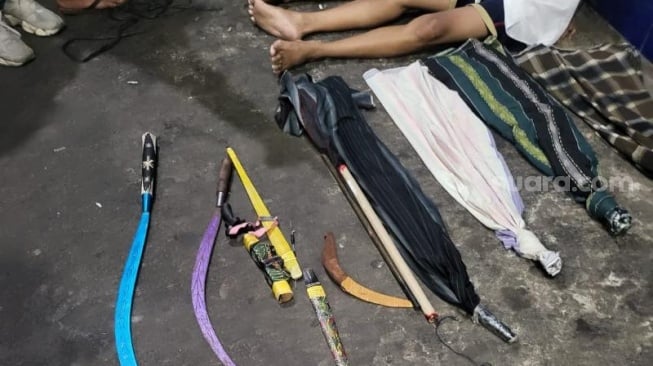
[[493, 324]]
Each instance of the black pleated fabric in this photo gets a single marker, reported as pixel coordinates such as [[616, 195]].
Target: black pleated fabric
[[412, 218]]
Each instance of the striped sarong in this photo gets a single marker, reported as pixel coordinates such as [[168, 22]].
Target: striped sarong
[[603, 86], [509, 100]]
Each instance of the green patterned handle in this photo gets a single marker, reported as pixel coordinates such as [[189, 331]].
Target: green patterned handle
[[325, 316]]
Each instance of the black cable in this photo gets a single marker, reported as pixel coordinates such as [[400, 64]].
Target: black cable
[[461, 354], [126, 16], [84, 55]]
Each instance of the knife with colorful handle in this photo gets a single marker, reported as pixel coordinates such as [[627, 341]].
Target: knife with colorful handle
[[275, 235], [325, 316]]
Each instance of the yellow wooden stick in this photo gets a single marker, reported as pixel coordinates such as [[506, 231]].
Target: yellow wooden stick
[[389, 244], [275, 235]]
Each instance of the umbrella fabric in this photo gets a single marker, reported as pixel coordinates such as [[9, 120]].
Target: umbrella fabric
[[329, 114], [460, 152], [507, 99], [604, 87]]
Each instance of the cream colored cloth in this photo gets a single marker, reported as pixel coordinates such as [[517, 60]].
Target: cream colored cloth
[[459, 151]]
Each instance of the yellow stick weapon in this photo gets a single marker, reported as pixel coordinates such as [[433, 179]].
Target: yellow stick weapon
[[275, 235]]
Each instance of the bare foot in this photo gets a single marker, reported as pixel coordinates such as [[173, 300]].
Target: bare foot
[[286, 54], [279, 22]]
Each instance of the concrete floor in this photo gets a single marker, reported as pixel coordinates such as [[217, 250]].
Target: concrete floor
[[69, 192]]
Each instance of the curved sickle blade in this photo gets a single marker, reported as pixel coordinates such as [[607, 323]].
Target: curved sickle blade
[[348, 285]]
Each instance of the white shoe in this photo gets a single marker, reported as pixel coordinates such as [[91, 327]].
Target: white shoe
[[13, 51], [33, 17]]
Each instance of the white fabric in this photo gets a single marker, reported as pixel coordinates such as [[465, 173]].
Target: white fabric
[[458, 149], [538, 21], [529, 243]]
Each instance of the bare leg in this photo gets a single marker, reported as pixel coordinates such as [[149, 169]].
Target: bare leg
[[427, 30], [292, 25]]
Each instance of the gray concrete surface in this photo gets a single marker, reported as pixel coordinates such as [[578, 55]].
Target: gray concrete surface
[[69, 198]]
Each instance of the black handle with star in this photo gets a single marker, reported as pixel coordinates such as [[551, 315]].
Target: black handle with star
[[149, 163]]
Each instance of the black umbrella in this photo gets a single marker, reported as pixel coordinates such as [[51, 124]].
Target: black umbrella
[[328, 112]]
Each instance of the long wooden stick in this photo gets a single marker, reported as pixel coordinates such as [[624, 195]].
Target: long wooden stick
[[389, 245], [370, 231]]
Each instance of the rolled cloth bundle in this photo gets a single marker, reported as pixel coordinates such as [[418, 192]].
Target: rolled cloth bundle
[[508, 99], [328, 112], [459, 151]]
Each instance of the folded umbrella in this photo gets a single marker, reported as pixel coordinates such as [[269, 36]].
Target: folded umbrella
[[509, 100], [328, 112]]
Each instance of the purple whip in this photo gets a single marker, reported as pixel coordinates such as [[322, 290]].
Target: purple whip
[[198, 283]]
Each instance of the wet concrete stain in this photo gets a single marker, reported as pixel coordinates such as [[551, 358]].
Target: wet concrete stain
[[517, 298], [590, 330]]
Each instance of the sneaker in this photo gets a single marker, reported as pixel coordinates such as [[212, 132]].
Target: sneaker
[[13, 52], [33, 17]]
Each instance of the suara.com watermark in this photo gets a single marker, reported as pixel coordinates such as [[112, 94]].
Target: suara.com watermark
[[538, 183]]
